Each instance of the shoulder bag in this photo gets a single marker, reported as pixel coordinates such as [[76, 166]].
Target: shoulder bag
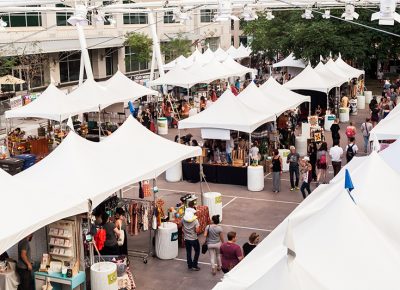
[[204, 247], [121, 237]]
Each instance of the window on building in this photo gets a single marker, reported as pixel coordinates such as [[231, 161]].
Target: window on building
[[134, 18], [27, 19], [169, 17], [69, 66], [212, 42], [62, 17], [207, 15], [131, 63], [109, 57]]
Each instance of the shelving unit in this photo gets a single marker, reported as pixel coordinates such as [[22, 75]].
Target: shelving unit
[[62, 240]]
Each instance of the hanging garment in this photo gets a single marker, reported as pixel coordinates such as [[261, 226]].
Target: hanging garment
[[146, 188], [145, 219], [141, 192]]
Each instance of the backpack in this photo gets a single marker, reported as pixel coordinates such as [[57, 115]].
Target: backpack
[[350, 132], [350, 153], [322, 160]]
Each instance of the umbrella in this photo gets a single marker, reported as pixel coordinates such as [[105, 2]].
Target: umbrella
[[10, 80]]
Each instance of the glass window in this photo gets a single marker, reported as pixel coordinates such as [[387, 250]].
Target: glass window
[[132, 64], [134, 18], [27, 19], [169, 17], [69, 66], [213, 43], [207, 15], [62, 17], [110, 52]]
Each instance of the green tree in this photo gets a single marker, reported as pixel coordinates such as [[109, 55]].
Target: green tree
[[6, 64], [140, 44], [176, 47]]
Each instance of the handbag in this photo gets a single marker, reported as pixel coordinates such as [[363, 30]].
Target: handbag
[[121, 238], [47, 286], [204, 247]]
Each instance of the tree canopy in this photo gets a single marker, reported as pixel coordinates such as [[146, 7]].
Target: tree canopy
[[308, 39], [176, 47], [140, 44]]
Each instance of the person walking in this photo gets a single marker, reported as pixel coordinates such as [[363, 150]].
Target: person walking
[[24, 264], [214, 239], [231, 253], [335, 131], [366, 128], [375, 115], [312, 151], [351, 149], [306, 175], [322, 162], [276, 166], [351, 131], [293, 160], [336, 154], [249, 246], [228, 150], [191, 227]]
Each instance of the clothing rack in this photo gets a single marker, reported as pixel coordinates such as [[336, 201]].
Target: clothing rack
[[140, 253]]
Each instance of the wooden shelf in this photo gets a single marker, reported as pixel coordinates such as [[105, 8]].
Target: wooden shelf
[[58, 236], [61, 246]]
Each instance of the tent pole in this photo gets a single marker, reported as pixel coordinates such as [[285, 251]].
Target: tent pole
[[249, 147], [81, 69], [201, 177], [99, 123]]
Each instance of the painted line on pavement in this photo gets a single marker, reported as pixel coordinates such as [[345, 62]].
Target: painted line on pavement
[[246, 228], [183, 260], [229, 202]]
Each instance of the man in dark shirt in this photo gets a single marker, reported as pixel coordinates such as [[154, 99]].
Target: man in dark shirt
[[293, 160], [24, 265], [335, 131]]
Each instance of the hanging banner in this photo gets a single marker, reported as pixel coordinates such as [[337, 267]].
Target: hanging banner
[[15, 102]]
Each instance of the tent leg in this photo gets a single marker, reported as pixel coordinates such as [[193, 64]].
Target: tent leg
[[249, 148], [99, 124], [81, 70]]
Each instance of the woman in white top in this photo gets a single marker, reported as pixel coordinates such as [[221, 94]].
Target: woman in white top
[[214, 238]]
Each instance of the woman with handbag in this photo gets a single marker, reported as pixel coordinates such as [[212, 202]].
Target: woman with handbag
[[112, 234], [214, 239], [120, 223]]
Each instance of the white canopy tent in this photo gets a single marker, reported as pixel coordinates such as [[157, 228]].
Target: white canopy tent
[[355, 73], [391, 155], [232, 52], [321, 222], [309, 79], [195, 54], [181, 61], [242, 51], [220, 54], [236, 67], [275, 91], [337, 70], [387, 128], [229, 113], [329, 76], [79, 161], [177, 77], [290, 61]]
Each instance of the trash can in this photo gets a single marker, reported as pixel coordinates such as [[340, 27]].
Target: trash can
[[368, 96], [162, 126], [301, 145], [213, 200], [283, 153], [103, 276], [329, 120], [344, 115], [255, 178], [174, 173], [167, 241], [353, 107], [361, 102]]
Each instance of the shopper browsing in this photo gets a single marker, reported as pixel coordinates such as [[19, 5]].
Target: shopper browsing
[[112, 234], [191, 227], [335, 132], [120, 223], [306, 176], [249, 246], [214, 238], [350, 131], [293, 160], [322, 162], [366, 128], [231, 253], [351, 149], [276, 166], [24, 264], [336, 154]]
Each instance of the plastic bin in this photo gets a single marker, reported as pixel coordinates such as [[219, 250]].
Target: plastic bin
[[353, 107], [12, 165], [167, 241], [28, 159], [103, 276], [255, 178], [213, 200], [361, 102], [344, 115], [174, 173]]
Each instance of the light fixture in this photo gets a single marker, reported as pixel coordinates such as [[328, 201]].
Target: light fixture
[[3, 24], [79, 16], [181, 16], [269, 16], [307, 14], [327, 14], [225, 11], [349, 12], [249, 14], [387, 14]]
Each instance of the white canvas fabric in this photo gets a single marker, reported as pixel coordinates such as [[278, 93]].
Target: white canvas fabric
[[177, 77], [353, 72], [337, 70], [388, 128], [220, 54], [242, 51], [290, 61], [391, 155], [329, 76], [236, 67], [78, 170], [232, 52], [228, 112], [308, 79]]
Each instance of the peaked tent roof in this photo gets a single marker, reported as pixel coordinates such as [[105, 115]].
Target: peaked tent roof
[[308, 79], [181, 60], [276, 91], [242, 52], [388, 128], [355, 73], [290, 61], [177, 77], [196, 53], [46, 106], [232, 51], [337, 70], [330, 77], [223, 114], [236, 67], [78, 160], [220, 54]]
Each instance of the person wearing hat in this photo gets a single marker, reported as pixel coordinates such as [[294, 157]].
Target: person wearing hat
[[190, 227], [306, 176]]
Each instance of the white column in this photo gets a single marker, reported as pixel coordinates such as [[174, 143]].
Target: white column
[[156, 43], [85, 52]]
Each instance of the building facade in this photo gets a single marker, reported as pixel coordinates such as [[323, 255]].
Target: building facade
[[55, 48]]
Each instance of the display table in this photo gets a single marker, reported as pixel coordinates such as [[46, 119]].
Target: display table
[[368, 96], [283, 153], [9, 279], [329, 120], [167, 241], [214, 202], [344, 115], [174, 174], [361, 102], [57, 278], [255, 178], [224, 174]]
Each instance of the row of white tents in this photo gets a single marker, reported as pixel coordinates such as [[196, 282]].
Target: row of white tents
[[331, 242], [208, 55]]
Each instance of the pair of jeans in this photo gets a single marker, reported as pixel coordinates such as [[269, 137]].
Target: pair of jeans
[[25, 277], [276, 181], [215, 256], [294, 170], [305, 186], [195, 244], [337, 165], [228, 157], [366, 142]]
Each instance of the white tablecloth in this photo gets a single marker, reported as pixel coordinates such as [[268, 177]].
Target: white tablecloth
[[9, 280]]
